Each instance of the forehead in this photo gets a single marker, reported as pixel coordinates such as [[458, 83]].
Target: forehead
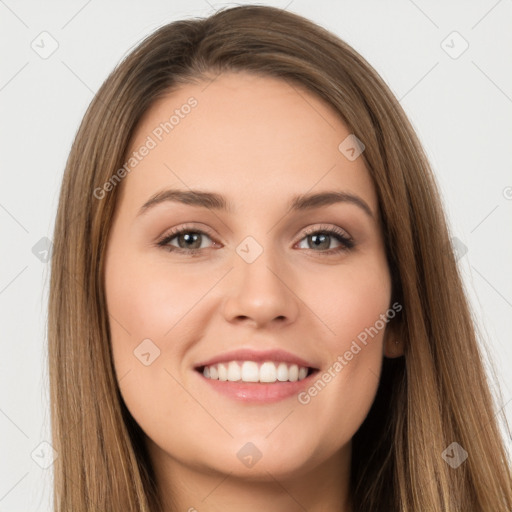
[[247, 137]]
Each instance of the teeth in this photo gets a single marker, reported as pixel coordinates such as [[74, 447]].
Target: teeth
[[250, 371], [268, 372], [223, 372], [234, 372], [282, 372]]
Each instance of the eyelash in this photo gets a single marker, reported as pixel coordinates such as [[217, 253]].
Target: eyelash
[[346, 242]]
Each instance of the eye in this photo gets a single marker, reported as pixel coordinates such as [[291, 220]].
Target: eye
[[187, 240], [321, 238]]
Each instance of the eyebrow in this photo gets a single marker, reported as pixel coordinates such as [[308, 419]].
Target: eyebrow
[[214, 201]]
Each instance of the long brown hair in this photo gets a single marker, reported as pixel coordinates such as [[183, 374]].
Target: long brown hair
[[435, 395]]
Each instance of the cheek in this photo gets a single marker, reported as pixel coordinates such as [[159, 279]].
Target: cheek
[[145, 301], [353, 305], [350, 301], [147, 306], [144, 305]]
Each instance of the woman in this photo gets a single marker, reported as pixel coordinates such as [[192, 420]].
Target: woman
[[204, 354]]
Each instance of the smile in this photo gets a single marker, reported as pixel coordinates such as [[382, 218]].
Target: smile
[[252, 371]]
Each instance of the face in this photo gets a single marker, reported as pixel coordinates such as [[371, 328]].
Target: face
[[252, 283]]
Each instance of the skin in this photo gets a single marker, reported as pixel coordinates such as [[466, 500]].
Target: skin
[[258, 142]]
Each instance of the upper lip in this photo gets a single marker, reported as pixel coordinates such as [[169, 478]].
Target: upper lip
[[257, 356]]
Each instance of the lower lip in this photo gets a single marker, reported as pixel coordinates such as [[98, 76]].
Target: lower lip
[[257, 391]]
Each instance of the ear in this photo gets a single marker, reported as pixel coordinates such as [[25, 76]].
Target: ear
[[394, 339]]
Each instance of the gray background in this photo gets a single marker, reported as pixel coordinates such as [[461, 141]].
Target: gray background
[[459, 103]]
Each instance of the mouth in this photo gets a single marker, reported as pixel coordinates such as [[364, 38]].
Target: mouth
[[257, 377]]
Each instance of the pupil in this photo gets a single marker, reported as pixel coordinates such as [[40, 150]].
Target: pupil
[[190, 238], [323, 237]]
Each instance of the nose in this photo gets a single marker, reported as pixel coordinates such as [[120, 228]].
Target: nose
[[260, 293]]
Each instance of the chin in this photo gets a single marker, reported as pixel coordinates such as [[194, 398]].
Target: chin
[[261, 459]]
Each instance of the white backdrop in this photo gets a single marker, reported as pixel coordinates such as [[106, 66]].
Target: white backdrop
[[448, 64]]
